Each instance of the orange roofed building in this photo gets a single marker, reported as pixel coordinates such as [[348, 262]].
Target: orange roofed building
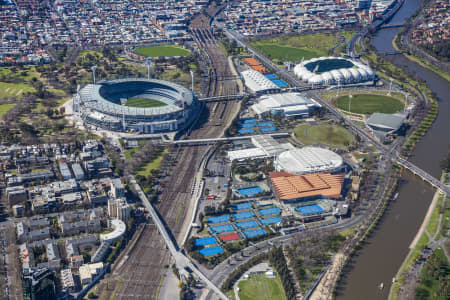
[[290, 187]]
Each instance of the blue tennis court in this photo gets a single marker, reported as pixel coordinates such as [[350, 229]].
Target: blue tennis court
[[245, 130], [211, 251], [310, 209], [269, 221], [243, 215], [271, 76], [268, 129], [254, 232], [280, 83], [247, 125], [265, 124], [219, 219], [250, 191], [247, 224], [246, 121], [205, 241], [241, 206], [269, 211], [222, 228]]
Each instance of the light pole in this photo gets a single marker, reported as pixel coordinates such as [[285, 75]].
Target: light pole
[[148, 63], [192, 80], [390, 88], [93, 72], [349, 102], [123, 101]]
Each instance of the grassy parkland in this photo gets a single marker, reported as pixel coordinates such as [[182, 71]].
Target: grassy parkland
[[162, 51], [333, 135], [369, 103], [144, 102], [258, 286]]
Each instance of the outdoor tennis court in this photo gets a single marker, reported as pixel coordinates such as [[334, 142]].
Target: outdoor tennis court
[[280, 83], [246, 121], [245, 131], [241, 206], [247, 224], [268, 129], [310, 209], [205, 241], [250, 191], [269, 221], [265, 124], [222, 228], [230, 237], [269, 211], [254, 232], [211, 251], [219, 219], [271, 76], [243, 215]]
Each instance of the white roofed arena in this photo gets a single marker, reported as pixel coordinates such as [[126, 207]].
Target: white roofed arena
[[332, 71], [104, 105]]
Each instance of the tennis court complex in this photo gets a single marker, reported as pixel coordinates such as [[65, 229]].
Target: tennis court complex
[[250, 191], [241, 206], [269, 221], [230, 237], [243, 215], [310, 209], [211, 251], [219, 219], [247, 224], [269, 211], [205, 241], [222, 228], [254, 232]]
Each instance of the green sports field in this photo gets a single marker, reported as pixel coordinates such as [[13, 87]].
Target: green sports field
[[158, 51], [333, 135], [368, 104], [261, 288], [294, 48], [144, 102], [9, 90]]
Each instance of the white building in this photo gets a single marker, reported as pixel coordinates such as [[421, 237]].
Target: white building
[[258, 83], [67, 280], [308, 160], [265, 146], [287, 104], [119, 229], [89, 271]]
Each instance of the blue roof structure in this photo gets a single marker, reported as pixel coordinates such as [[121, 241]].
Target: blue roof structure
[[241, 206], [211, 251], [254, 232], [219, 219], [269, 211], [245, 131], [310, 209], [247, 125], [271, 76], [250, 191], [280, 83], [205, 241], [247, 224], [268, 129], [222, 228], [243, 215], [269, 221], [265, 124]]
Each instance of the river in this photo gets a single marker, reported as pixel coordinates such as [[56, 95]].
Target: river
[[384, 252]]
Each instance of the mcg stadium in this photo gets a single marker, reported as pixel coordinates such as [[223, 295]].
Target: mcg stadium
[[332, 71], [136, 104]]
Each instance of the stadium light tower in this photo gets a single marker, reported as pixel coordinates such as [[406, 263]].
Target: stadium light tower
[[123, 101], [94, 68], [349, 102], [192, 80], [148, 63], [390, 88]]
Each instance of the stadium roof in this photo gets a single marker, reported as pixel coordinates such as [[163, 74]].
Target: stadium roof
[[291, 187], [266, 146], [257, 82], [308, 160], [290, 103], [390, 122]]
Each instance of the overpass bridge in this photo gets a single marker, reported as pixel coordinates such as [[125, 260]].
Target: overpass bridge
[[182, 261], [389, 53], [226, 139], [385, 26], [356, 129], [224, 97]]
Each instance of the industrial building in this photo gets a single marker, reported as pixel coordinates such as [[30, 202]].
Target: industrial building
[[285, 104], [104, 105], [308, 160], [333, 71], [290, 187], [257, 83]]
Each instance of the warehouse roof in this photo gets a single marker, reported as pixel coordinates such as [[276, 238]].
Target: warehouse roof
[[257, 82], [386, 121]]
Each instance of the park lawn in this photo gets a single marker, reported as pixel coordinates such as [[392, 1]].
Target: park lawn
[[9, 90], [300, 133], [294, 48], [144, 102], [261, 288], [434, 220], [153, 165], [434, 276], [330, 135], [368, 104], [158, 51], [24, 73], [4, 108]]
